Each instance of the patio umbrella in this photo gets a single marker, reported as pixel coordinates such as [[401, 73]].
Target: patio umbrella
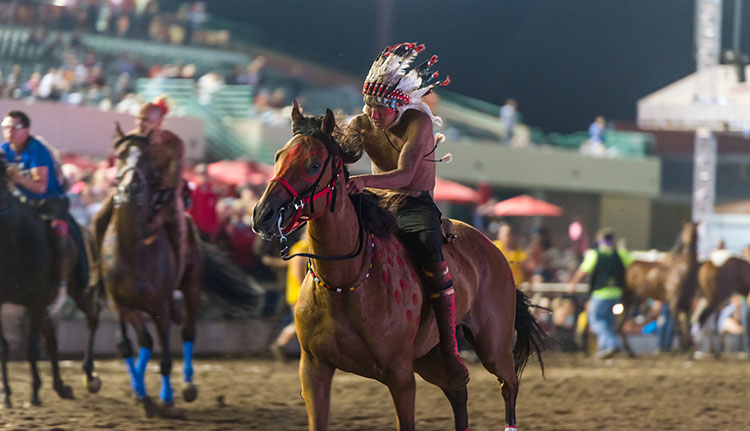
[[240, 172], [525, 205], [450, 191]]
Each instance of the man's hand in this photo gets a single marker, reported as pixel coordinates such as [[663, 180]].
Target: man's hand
[[356, 185], [13, 173]]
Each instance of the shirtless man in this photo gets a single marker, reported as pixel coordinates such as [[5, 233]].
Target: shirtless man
[[397, 135]]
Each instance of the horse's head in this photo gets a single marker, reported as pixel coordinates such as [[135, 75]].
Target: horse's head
[[134, 168], [689, 233], [307, 174]]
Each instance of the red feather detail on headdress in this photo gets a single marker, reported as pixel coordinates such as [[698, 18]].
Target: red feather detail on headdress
[[435, 75], [433, 60], [447, 81], [419, 48]]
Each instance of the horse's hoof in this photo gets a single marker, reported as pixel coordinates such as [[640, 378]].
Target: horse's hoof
[[93, 384], [189, 392], [35, 402], [149, 406], [168, 411], [6, 403], [64, 391]]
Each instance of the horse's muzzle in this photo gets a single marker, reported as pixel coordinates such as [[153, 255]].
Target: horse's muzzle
[[265, 219]]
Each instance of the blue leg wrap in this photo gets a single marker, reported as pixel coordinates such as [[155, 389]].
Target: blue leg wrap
[[136, 381], [166, 389], [187, 355], [143, 356]]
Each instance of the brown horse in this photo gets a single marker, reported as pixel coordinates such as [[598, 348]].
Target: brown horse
[[139, 269], [673, 281], [384, 329], [718, 284]]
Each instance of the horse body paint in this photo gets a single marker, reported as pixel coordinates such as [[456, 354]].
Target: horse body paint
[[379, 326]]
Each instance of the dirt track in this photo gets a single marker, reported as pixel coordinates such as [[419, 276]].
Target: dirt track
[[581, 394]]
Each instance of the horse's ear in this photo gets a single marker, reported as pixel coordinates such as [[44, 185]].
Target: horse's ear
[[329, 122], [296, 114], [118, 130]]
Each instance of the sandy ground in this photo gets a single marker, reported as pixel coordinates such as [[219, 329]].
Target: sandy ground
[[663, 393]]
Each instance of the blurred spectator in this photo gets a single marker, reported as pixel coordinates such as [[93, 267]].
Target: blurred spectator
[[295, 274], [508, 244], [606, 264], [509, 118], [207, 85], [731, 321], [595, 145], [205, 199]]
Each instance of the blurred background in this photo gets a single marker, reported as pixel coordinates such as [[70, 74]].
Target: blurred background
[[631, 115]]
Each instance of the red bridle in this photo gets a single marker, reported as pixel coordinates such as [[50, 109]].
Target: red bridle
[[300, 200]]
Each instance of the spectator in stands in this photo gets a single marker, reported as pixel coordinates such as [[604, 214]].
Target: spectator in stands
[[207, 85], [731, 320], [509, 118], [508, 244], [595, 145], [606, 265]]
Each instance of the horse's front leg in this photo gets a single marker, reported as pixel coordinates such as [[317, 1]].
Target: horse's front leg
[[50, 342], [162, 327], [35, 318], [401, 384], [315, 379], [4, 364]]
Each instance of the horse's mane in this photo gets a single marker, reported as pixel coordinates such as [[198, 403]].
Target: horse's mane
[[343, 141], [376, 215]]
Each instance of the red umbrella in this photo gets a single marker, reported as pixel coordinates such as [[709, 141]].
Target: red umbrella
[[525, 205], [240, 172], [449, 191]]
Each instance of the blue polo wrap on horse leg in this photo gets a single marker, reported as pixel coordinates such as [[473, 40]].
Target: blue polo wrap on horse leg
[[187, 355], [143, 357], [135, 382], [166, 389]]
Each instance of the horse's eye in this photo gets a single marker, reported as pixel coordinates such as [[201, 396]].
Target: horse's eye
[[315, 166]]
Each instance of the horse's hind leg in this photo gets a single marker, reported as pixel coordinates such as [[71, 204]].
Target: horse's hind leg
[[192, 294], [315, 378], [4, 364], [496, 353], [432, 369], [50, 341], [92, 381]]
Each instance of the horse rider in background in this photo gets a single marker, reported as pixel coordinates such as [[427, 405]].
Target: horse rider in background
[[32, 168], [167, 153]]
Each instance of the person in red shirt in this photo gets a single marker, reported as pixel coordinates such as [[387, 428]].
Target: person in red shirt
[[204, 199]]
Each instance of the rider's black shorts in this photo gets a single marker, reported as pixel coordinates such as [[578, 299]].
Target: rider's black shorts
[[53, 208], [418, 225]]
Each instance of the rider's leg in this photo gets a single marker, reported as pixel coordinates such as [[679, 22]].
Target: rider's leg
[[176, 227], [439, 286]]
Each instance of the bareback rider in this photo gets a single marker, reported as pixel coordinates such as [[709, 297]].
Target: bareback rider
[[32, 169], [397, 135], [167, 153]]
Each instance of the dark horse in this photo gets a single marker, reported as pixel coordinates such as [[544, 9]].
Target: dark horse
[[673, 281], [384, 329], [27, 278], [718, 284], [139, 269]]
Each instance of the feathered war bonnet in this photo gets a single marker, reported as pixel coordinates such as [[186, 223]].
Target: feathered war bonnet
[[389, 82]]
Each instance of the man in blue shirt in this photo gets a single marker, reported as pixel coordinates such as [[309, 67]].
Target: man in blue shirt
[[32, 168]]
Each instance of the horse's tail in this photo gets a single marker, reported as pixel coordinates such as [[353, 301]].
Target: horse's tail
[[530, 337], [224, 281]]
